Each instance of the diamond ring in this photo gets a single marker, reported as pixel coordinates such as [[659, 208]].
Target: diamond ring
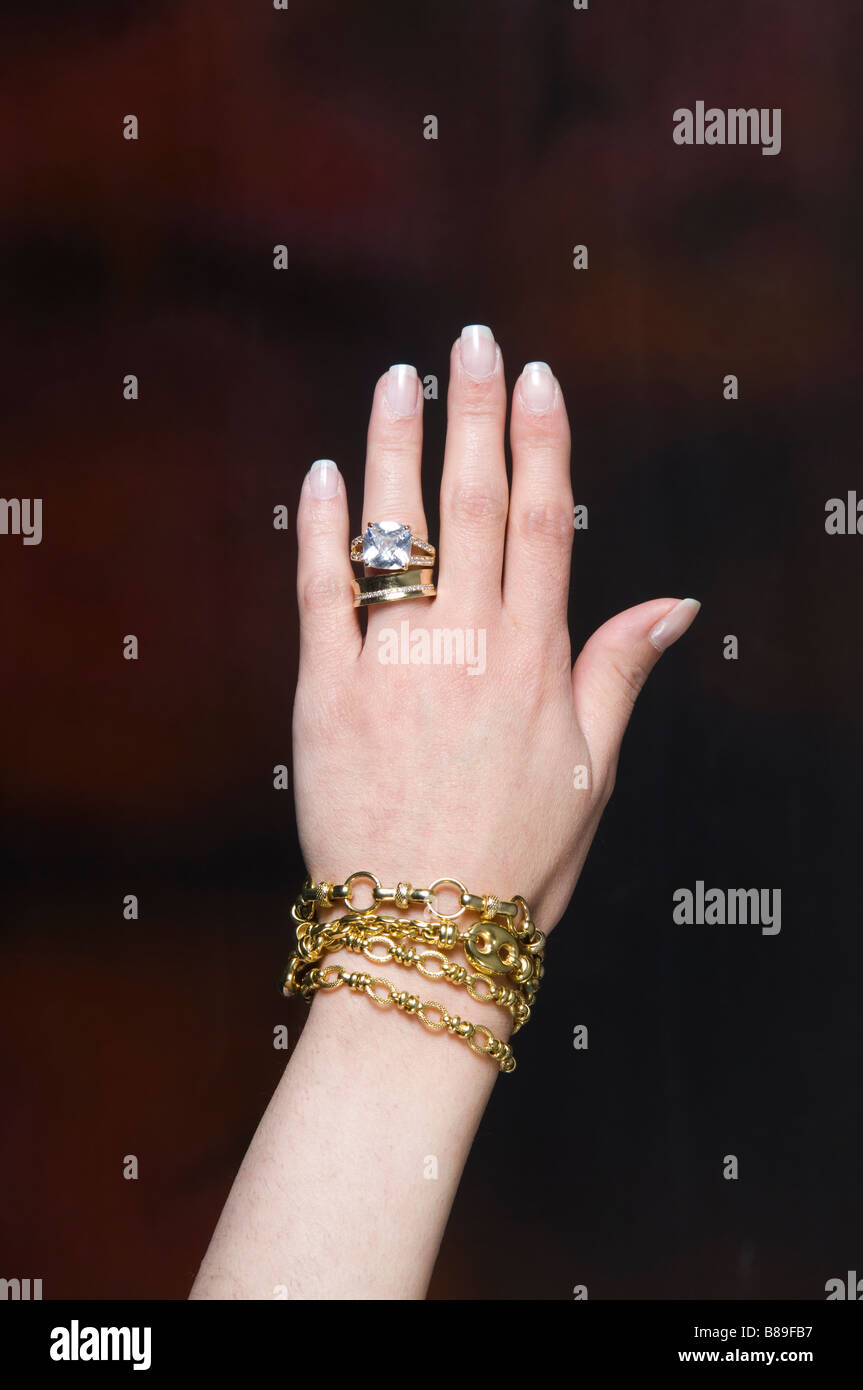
[[402, 563], [391, 545]]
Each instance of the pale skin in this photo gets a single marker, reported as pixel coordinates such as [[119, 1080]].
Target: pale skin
[[418, 772]]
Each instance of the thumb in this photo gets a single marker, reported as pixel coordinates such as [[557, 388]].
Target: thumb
[[614, 664]]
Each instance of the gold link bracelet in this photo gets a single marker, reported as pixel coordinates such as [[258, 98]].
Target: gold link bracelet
[[411, 1004], [503, 941], [363, 940]]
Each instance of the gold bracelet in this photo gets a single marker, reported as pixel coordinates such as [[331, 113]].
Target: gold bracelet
[[316, 939], [403, 895], [415, 1007], [503, 941], [343, 934], [491, 946]]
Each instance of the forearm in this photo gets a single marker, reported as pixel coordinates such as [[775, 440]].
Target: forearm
[[335, 1197]]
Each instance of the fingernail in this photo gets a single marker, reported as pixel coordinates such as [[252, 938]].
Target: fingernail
[[674, 624], [323, 479], [538, 387], [478, 350], [402, 389]]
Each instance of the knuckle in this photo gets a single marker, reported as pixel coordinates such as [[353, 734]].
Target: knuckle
[[314, 523], [474, 505], [631, 676], [391, 459], [323, 592], [481, 398], [479, 406], [547, 430], [393, 480], [547, 521]]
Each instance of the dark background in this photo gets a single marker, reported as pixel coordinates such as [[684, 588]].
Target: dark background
[[154, 777]]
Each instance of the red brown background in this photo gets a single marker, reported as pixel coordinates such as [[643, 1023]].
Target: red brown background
[[153, 777]]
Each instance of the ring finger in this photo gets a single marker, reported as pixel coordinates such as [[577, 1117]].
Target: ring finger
[[393, 485]]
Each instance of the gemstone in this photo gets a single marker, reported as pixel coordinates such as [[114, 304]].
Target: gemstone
[[387, 545]]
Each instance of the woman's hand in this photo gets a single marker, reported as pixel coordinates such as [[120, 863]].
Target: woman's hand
[[494, 772], [417, 772]]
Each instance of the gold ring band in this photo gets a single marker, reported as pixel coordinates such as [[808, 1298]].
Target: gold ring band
[[392, 588]]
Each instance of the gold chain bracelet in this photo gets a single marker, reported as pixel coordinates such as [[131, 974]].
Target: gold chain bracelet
[[404, 894], [315, 939], [415, 1007], [504, 941], [513, 947], [342, 934]]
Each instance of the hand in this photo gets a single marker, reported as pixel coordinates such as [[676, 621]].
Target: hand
[[419, 771]]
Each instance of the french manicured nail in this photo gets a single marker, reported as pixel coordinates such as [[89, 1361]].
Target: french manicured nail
[[478, 350], [323, 479], [538, 387], [402, 389], [674, 624]]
